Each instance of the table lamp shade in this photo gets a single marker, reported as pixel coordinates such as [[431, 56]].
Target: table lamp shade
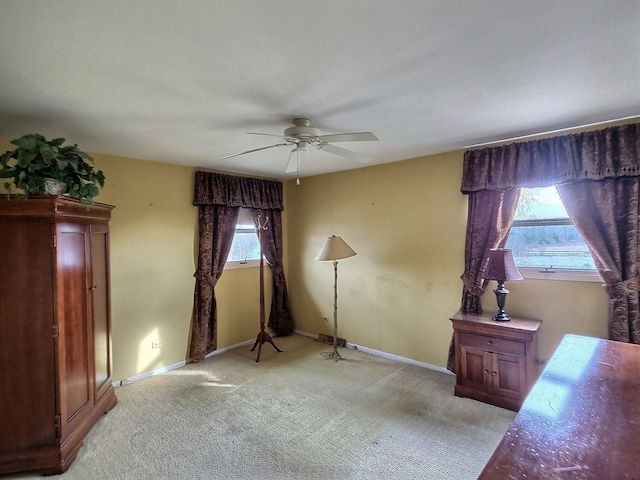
[[335, 249], [501, 266]]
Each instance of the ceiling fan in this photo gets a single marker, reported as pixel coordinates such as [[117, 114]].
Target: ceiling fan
[[302, 135]]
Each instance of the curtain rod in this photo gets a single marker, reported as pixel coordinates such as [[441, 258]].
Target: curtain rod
[[549, 132]]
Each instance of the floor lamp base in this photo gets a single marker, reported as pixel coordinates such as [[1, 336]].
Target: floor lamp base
[[335, 355]]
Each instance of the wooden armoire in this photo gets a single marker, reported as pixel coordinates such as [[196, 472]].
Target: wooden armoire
[[55, 329]]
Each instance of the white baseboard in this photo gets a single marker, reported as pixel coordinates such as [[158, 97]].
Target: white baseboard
[[398, 358], [306, 334], [157, 371], [372, 351], [168, 368], [389, 356], [230, 347]]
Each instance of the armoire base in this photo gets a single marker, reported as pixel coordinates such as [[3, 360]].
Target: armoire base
[[56, 459]]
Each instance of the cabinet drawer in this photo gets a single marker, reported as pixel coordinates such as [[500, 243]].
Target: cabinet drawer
[[492, 344]]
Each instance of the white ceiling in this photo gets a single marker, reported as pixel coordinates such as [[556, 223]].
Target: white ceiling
[[182, 81]]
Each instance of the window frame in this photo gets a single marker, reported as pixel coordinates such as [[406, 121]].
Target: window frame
[[549, 273], [234, 264]]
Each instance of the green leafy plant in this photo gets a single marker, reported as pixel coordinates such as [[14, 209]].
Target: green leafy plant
[[36, 159]]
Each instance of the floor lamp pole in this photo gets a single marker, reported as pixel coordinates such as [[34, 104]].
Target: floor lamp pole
[[335, 355]]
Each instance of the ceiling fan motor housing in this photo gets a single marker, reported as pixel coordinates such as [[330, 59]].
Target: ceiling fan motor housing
[[301, 130]]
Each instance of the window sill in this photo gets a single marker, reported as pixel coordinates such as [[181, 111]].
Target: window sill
[[247, 264], [564, 275]]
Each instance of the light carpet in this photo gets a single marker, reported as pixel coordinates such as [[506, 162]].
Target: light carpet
[[293, 415]]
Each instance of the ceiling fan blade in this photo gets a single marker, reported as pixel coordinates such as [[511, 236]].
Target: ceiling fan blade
[[265, 134], [292, 164], [254, 150], [343, 152], [348, 137]]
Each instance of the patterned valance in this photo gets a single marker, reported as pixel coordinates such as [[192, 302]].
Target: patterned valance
[[595, 155], [218, 189]]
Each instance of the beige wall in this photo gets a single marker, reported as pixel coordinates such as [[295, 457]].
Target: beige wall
[[153, 258], [152, 233], [407, 221], [564, 307]]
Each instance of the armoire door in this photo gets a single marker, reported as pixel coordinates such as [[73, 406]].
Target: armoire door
[[100, 308], [74, 367]]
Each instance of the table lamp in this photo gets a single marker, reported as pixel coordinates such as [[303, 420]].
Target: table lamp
[[501, 268]]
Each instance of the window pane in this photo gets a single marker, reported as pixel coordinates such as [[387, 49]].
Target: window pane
[[547, 239], [557, 246], [538, 203], [245, 246]]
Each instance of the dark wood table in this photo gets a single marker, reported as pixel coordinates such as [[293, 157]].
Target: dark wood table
[[580, 421]]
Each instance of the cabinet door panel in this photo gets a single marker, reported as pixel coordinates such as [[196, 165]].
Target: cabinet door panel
[[474, 365], [510, 380], [73, 342]]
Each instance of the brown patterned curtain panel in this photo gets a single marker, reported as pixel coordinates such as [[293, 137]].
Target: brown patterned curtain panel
[[597, 175], [217, 225], [219, 198], [606, 213]]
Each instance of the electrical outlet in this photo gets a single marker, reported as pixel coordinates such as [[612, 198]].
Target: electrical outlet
[[156, 344]]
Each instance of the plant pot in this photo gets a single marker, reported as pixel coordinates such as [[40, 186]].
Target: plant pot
[[54, 187]]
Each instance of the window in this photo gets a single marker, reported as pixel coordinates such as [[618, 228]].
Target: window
[[545, 243], [245, 249]]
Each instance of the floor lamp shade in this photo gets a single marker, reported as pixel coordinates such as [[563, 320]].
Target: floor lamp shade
[[335, 249]]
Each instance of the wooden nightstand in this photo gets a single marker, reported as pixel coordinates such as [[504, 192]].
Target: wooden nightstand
[[496, 362]]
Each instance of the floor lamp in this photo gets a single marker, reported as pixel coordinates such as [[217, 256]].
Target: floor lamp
[[335, 249]]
